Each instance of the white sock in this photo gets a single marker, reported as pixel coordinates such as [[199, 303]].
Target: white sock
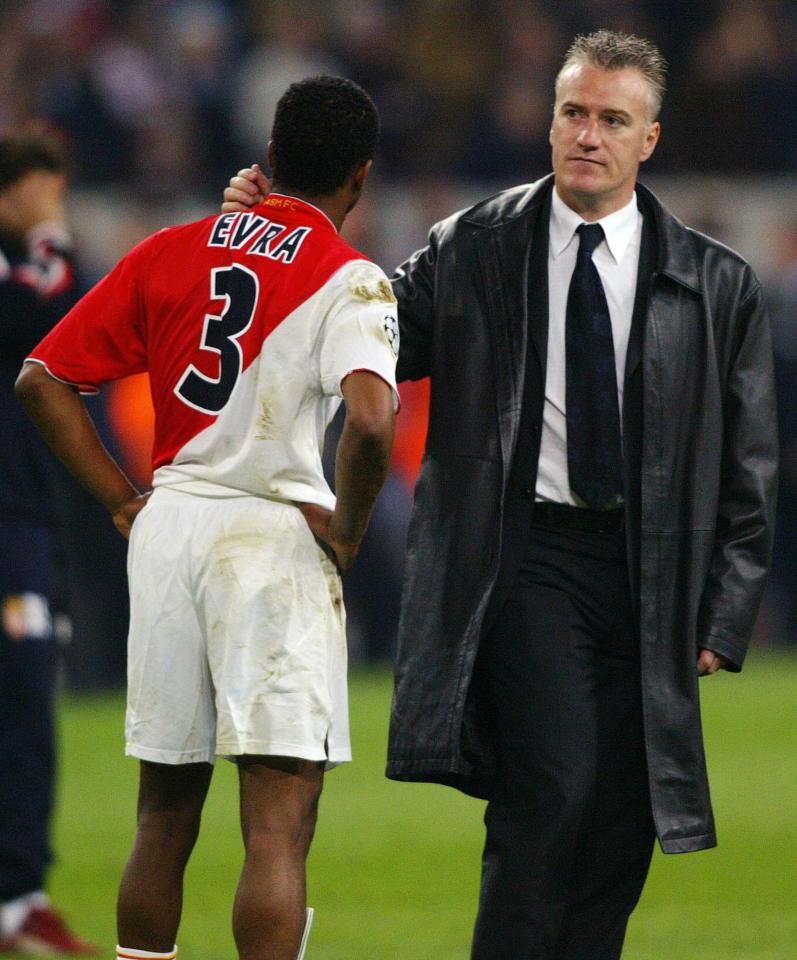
[[308, 922], [14, 913], [126, 953]]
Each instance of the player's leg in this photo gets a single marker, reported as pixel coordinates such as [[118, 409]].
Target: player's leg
[[169, 725], [279, 802], [150, 901], [272, 613], [28, 675], [27, 743]]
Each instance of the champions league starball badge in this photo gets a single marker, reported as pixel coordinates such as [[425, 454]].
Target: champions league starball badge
[[390, 326]]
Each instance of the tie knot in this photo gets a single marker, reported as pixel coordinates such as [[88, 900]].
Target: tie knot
[[591, 235]]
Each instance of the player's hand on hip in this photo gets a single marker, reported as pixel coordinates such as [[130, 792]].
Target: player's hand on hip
[[321, 523], [709, 662], [247, 188], [125, 515], [344, 553]]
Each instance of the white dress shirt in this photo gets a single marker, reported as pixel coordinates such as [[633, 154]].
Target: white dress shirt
[[617, 260]]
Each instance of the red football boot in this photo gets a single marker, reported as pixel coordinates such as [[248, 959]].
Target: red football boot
[[45, 933]]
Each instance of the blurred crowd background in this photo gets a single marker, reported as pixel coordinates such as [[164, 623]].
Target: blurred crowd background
[[160, 101]]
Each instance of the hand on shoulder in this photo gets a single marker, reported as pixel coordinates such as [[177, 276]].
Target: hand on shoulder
[[246, 189]]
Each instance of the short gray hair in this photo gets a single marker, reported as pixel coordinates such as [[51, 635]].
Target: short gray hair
[[616, 51]]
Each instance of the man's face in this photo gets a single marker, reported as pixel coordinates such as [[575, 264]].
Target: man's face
[[36, 197], [599, 136]]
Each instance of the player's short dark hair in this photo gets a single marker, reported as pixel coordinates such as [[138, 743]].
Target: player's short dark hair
[[25, 152], [324, 128], [615, 51]]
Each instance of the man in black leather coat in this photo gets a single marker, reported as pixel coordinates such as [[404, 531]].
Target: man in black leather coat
[[549, 649], [551, 636]]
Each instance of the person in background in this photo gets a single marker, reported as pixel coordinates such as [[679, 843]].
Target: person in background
[[37, 286]]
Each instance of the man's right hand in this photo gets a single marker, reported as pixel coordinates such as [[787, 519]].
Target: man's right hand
[[322, 523], [247, 188]]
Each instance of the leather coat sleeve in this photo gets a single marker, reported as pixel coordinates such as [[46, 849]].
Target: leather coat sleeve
[[414, 287], [743, 539]]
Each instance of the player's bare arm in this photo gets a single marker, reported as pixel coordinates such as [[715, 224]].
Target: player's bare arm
[[361, 466], [60, 416]]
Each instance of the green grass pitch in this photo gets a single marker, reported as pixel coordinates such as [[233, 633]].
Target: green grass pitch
[[393, 873]]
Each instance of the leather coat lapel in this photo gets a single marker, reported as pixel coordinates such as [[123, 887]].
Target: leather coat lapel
[[647, 264], [503, 255], [666, 251]]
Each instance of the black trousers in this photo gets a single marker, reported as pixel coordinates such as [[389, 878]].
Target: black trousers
[[28, 672], [569, 832]]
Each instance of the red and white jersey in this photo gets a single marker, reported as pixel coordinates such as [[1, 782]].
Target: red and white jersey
[[247, 324]]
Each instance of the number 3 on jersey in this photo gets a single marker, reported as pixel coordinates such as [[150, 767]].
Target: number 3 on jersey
[[220, 335]]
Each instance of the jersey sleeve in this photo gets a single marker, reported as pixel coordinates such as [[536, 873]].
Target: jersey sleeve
[[103, 337], [361, 331]]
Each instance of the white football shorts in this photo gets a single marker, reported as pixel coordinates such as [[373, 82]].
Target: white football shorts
[[237, 634]]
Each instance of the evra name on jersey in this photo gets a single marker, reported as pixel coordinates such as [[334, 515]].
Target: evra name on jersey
[[264, 237]]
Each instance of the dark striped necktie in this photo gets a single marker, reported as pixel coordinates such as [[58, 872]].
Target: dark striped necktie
[[594, 447]]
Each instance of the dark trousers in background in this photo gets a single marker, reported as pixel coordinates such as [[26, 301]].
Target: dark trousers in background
[[28, 662], [569, 834]]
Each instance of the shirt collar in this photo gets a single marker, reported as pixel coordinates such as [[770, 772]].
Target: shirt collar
[[618, 227], [285, 201]]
